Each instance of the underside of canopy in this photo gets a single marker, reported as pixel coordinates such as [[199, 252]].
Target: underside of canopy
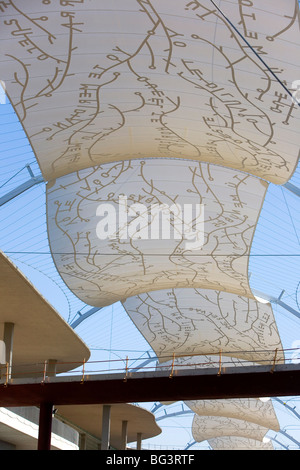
[[208, 427], [196, 322], [96, 82], [247, 409], [208, 248], [238, 443]]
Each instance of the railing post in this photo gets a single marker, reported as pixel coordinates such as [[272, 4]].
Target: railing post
[[44, 374], [6, 374], [172, 369], [274, 361], [83, 370], [126, 370], [220, 362]]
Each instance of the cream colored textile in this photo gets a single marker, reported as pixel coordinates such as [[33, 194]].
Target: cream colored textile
[[246, 409], [238, 443], [192, 322], [95, 82], [102, 269], [217, 361], [208, 427]]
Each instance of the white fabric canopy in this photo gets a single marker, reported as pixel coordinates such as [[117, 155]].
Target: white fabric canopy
[[203, 322], [217, 361], [246, 409], [95, 82], [208, 427], [238, 443], [102, 269]]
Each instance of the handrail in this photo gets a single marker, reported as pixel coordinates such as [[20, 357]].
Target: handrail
[[172, 363]]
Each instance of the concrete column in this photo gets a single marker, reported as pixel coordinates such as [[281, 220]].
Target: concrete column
[[82, 441], [105, 427], [51, 367], [139, 441], [6, 347], [124, 434], [45, 426]]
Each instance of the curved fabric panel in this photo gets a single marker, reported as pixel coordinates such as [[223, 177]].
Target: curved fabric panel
[[208, 427], [96, 82], [238, 443], [246, 409], [207, 362], [203, 322], [138, 255]]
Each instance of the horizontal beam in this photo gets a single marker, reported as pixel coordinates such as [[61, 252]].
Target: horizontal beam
[[185, 384], [291, 187], [21, 189], [277, 301], [84, 316], [285, 434]]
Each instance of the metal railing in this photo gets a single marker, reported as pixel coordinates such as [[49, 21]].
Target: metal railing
[[170, 363]]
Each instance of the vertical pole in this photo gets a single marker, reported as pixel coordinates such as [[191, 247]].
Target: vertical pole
[[220, 362], [172, 370], [82, 441], [124, 434], [51, 372], [139, 441], [8, 337], [105, 427], [45, 426]]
